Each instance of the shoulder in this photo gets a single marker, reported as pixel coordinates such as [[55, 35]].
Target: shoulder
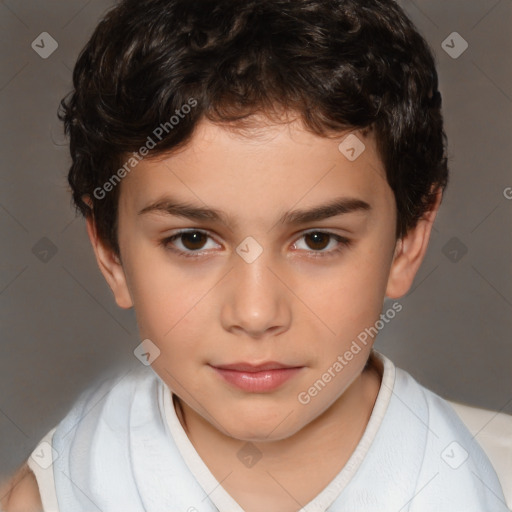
[[104, 412], [109, 397], [436, 410], [122, 382], [21, 492], [442, 424], [103, 401], [454, 467]]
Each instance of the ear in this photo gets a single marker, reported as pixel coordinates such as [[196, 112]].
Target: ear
[[110, 265], [409, 253]]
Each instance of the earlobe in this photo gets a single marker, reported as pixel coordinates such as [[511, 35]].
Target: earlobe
[[110, 266], [409, 253]]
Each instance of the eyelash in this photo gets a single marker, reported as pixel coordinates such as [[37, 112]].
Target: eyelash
[[343, 243]]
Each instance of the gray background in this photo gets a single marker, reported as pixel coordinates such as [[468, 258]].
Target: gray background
[[61, 328]]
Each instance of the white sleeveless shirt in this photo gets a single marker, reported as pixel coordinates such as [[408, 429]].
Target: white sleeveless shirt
[[122, 448]]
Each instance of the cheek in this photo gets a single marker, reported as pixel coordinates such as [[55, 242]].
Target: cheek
[[165, 297], [167, 305], [172, 315], [351, 296]]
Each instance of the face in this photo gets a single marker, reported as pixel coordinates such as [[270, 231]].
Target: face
[[231, 255]]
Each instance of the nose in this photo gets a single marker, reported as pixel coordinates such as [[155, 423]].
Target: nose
[[255, 300]]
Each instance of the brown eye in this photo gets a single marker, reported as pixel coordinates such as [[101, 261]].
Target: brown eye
[[193, 240], [322, 244], [186, 243], [317, 240]]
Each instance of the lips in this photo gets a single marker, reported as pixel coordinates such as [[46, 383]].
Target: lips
[[261, 378], [251, 368]]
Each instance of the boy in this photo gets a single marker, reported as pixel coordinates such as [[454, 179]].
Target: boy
[[257, 177]]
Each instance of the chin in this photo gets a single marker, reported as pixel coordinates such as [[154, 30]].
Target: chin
[[259, 424]]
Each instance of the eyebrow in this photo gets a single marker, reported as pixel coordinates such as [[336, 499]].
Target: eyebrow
[[333, 208]]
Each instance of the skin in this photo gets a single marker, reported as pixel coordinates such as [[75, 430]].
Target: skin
[[288, 305], [21, 493]]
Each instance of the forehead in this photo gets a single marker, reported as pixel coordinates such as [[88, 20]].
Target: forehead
[[266, 166]]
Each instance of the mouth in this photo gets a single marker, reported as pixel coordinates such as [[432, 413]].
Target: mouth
[[259, 378]]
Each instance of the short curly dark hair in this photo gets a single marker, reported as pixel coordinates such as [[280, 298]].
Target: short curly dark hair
[[335, 64]]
